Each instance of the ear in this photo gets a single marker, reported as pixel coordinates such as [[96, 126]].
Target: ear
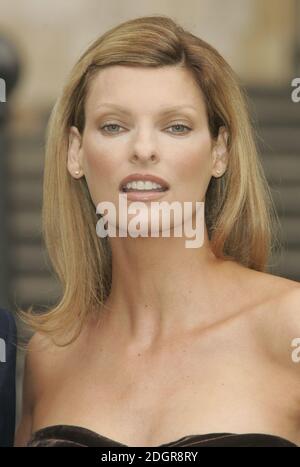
[[220, 153], [74, 162]]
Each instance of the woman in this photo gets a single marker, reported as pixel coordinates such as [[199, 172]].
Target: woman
[[162, 344]]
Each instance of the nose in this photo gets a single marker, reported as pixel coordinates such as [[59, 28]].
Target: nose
[[144, 149], [136, 157]]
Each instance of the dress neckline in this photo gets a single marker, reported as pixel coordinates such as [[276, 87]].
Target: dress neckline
[[203, 436]]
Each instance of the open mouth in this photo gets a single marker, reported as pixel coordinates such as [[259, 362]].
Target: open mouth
[[136, 190]]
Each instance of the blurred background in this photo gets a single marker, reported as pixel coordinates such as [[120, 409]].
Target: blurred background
[[39, 43]]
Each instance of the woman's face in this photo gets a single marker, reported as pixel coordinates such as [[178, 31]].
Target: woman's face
[[136, 105]]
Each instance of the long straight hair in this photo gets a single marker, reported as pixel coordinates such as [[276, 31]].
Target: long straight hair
[[240, 214]]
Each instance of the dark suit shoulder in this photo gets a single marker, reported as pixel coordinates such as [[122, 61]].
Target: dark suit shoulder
[[8, 341]]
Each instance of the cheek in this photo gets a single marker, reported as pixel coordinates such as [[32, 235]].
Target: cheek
[[98, 160], [193, 161], [100, 166]]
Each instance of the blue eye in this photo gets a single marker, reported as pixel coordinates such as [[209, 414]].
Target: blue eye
[[111, 125], [179, 125], [118, 126]]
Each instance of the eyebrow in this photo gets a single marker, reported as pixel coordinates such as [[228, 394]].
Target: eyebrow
[[166, 111]]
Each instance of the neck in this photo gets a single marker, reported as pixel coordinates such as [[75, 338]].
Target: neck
[[161, 289]]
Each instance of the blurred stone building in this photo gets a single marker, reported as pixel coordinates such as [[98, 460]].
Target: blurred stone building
[[259, 38]]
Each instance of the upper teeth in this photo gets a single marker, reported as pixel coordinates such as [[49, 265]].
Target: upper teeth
[[141, 185]]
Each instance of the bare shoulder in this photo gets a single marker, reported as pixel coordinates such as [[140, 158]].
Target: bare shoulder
[[44, 366], [41, 345], [288, 322], [41, 360], [44, 363], [45, 356], [278, 318], [33, 375]]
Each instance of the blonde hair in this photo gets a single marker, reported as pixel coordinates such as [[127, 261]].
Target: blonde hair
[[239, 210]]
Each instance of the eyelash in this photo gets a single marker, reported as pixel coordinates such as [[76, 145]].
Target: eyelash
[[176, 124]]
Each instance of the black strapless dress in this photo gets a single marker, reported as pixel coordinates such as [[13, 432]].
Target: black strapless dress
[[76, 436]]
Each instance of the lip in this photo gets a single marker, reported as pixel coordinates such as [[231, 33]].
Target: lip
[[144, 196], [144, 177]]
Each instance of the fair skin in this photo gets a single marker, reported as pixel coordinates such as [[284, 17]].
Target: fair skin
[[191, 344], [187, 161]]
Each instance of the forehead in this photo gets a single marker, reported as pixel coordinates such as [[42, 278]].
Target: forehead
[[146, 89]]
